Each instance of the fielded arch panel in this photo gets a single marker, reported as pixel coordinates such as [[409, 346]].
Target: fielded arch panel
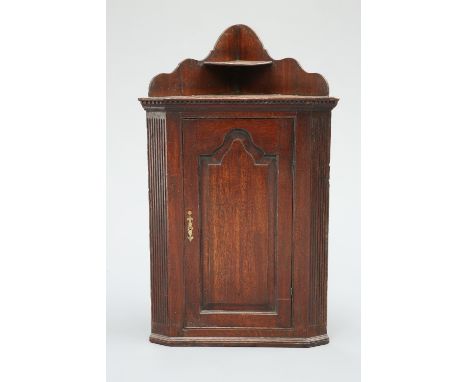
[[238, 188]]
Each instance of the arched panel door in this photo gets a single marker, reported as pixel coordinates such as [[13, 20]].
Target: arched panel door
[[238, 204]]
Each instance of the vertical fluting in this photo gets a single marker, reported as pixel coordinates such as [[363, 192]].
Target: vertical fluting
[[320, 170], [156, 126]]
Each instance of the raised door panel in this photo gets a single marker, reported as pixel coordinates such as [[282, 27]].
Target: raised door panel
[[238, 205]]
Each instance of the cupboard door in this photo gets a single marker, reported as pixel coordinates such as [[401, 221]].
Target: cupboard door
[[238, 203]]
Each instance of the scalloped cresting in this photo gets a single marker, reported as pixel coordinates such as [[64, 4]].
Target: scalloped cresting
[[238, 65]]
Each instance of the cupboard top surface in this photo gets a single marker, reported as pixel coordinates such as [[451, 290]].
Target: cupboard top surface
[[252, 97]]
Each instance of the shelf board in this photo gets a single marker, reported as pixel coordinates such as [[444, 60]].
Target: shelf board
[[238, 63], [239, 97]]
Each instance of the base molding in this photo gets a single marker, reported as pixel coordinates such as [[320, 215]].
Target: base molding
[[240, 341]]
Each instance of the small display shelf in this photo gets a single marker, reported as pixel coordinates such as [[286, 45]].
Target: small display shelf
[[238, 63]]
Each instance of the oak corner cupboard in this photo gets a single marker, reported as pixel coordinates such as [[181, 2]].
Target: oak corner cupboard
[[238, 156]]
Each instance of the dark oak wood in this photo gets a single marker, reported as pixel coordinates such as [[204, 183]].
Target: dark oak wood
[[238, 155], [238, 53], [241, 195]]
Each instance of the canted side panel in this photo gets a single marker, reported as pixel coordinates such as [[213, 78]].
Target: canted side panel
[[157, 163], [320, 169]]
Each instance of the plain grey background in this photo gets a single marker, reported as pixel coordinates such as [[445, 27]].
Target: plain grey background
[[148, 37]]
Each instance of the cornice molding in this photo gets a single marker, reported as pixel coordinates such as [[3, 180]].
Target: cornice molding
[[317, 102]]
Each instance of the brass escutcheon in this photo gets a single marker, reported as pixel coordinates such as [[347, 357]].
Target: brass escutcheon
[[189, 225]]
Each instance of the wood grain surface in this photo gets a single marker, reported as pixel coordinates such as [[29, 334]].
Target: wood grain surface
[[238, 156]]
